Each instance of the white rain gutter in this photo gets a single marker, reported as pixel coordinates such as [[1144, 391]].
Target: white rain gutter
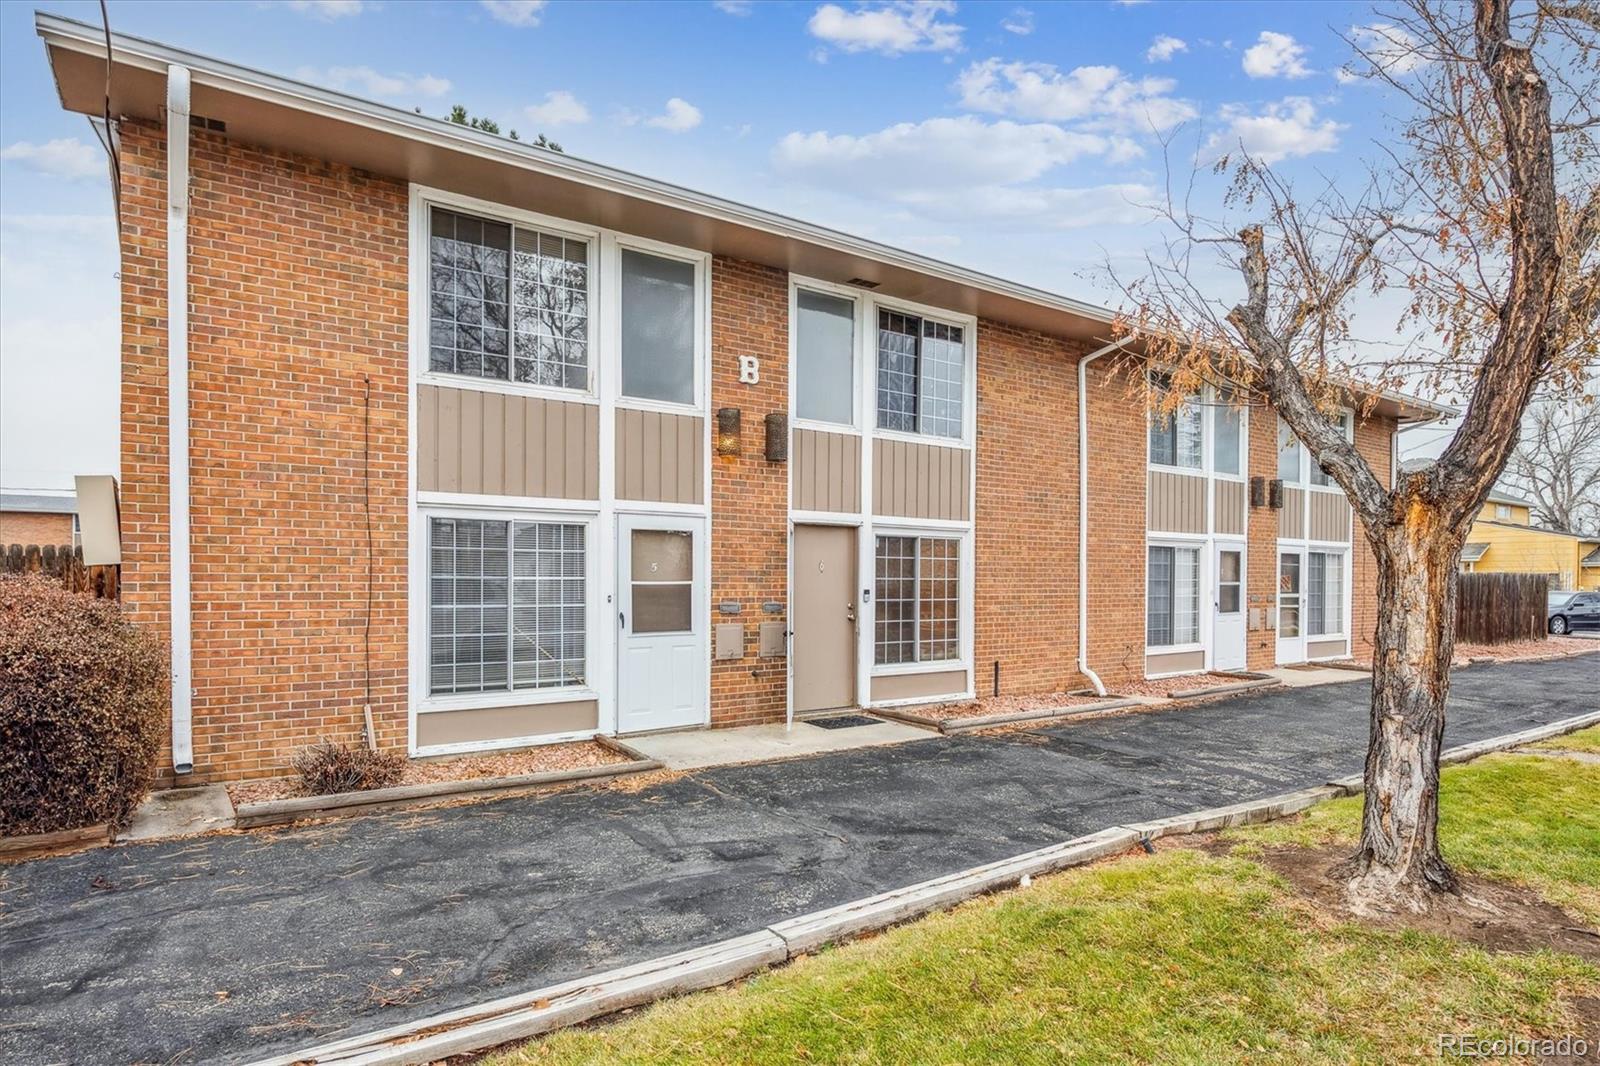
[[178, 417], [1083, 511]]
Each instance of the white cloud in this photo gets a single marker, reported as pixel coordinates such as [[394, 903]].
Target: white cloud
[[1058, 208], [328, 9], [375, 83], [680, 117], [1100, 96], [523, 13], [1164, 48], [560, 108], [1019, 22], [1389, 48], [1285, 130], [892, 29], [1275, 55], [66, 157], [733, 7], [949, 153]]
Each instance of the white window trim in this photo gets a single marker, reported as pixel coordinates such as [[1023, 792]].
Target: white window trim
[[1306, 462], [1345, 579], [858, 320], [961, 533], [868, 346], [1198, 542], [423, 198], [422, 701], [611, 272]]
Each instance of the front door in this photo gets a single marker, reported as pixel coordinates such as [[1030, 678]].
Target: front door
[[823, 651], [1227, 627], [1291, 637], [661, 647]]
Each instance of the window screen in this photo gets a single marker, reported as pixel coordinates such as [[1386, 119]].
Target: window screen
[[657, 328], [918, 589], [507, 605], [921, 375], [825, 357], [1172, 603], [507, 302], [1228, 419], [1324, 593]]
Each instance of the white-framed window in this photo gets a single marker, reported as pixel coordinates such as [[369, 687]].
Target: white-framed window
[[1227, 433], [1502, 510], [507, 604], [507, 302], [824, 357], [1177, 439], [1172, 596], [1289, 452], [922, 375], [917, 589], [1324, 593], [659, 308], [1319, 477]]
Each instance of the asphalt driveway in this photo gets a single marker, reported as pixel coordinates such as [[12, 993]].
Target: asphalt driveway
[[227, 947]]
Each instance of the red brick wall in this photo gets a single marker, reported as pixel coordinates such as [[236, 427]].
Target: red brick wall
[[298, 289], [1261, 545], [1026, 532], [749, 495], [26, 527], [1117, 446]]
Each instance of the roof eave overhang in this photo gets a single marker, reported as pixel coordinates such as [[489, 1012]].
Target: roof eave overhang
[[279, 113]]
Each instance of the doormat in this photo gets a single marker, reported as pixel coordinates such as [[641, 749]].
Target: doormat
[[842, 721]]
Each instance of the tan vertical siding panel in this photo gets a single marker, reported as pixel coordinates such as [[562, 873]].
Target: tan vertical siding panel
[[1228, 507], [472, 440], [494, 443], [427, 438], [591, 452], [690, 477], [913, 480], [449, 440], [515, 471], [1291, 520], [1176, 503], [573, 443], [1330, 517]]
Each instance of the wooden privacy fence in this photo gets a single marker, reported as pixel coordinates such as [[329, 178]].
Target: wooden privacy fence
[[64, 562], [1497, 608]]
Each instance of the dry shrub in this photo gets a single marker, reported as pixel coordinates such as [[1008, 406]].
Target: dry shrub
[[326, 768], [84, 701]]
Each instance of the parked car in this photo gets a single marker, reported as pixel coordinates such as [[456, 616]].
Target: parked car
[[1574, 610]]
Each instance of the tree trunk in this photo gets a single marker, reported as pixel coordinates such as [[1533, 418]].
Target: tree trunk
[[1398, 866]]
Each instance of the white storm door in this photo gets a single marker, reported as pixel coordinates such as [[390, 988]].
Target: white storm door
[[1227, 624], [662, 623], [1291, 616]]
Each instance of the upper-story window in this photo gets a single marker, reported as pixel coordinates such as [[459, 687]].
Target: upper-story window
[[1175, 439], [507, 302], [1227, 420], [921, 375], [658, 309], [1502, 510], [1320, 476], [1288, 454], [824, 346]]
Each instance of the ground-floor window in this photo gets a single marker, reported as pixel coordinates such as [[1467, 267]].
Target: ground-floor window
[[506, 605], [1172, 602], [918, 590], [1324, 593]]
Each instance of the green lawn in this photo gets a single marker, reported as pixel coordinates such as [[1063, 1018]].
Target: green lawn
[[1583, 740], [1521, 818], [1177, 957]]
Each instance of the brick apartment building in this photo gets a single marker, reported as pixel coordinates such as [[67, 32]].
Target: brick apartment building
[[512, 447]]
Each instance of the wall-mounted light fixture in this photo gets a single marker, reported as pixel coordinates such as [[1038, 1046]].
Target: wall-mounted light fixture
[[1258, 492], [777, 437], [1275, 493], [728, 446]]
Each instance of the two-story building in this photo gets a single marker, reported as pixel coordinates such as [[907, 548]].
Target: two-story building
[[512, 447]]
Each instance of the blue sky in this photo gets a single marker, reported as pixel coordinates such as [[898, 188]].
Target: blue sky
[[1019, 139]]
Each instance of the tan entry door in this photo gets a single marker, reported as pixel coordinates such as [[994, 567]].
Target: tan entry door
[[824, 646]]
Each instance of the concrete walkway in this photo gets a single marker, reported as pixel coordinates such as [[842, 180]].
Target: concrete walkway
[[701, 748], [223, 948]]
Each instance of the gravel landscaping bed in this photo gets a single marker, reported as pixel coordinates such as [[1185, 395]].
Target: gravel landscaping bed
[[1166, 686], [578, 755], [1516, 651], [985, 706]]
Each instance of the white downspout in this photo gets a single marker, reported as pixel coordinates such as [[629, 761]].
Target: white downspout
[[178, 417], [1083, 512]]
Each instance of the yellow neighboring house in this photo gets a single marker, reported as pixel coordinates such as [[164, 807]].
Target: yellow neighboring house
[[1504, 540]]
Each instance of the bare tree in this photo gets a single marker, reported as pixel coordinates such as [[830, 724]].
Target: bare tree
[[1483, 214], [1557, 463]]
